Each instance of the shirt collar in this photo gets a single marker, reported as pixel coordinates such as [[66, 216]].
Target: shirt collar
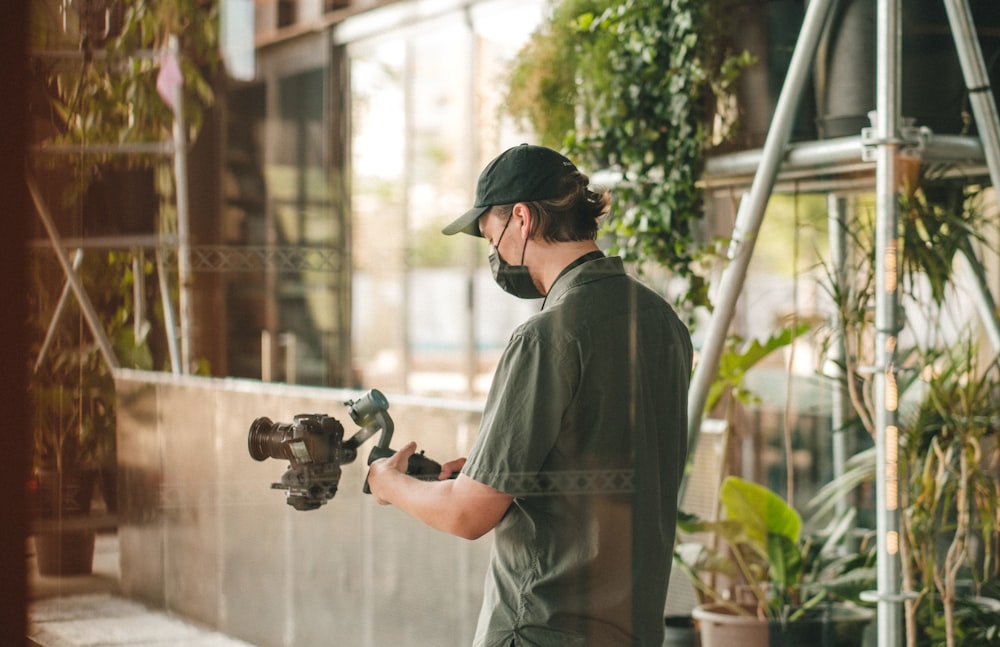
[[591, 266]]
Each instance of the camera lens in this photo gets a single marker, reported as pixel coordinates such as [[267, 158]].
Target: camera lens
[[265, 438]]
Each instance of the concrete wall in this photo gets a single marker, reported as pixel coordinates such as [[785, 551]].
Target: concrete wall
[[203, 535]]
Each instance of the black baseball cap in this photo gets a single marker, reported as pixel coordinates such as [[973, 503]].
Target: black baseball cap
[[521, 174]]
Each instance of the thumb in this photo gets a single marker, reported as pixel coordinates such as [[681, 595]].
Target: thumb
[[403, 454], [451, 467]]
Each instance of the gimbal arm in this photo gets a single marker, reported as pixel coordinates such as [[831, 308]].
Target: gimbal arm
[[371, 413]]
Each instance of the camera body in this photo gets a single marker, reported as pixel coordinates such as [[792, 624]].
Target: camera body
[[314, 446]]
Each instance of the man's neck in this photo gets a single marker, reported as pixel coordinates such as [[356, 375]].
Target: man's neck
[[557, 256]]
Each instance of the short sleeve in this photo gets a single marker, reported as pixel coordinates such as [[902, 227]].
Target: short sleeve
[[524, 411]]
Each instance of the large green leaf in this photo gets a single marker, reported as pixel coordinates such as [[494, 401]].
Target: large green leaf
[[761, 512], [785, 560], [735, 363]]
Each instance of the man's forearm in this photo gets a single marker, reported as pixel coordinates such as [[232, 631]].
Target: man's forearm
[[460, 507]]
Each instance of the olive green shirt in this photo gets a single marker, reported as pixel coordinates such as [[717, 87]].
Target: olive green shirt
[[585, 425]]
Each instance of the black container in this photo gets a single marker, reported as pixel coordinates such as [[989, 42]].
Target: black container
[[932, 87]]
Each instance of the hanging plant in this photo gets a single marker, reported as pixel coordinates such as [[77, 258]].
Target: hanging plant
[[644, 79]]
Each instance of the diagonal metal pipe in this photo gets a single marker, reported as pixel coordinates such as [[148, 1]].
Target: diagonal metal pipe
[[984, 110], [86, 306], [751, 213]]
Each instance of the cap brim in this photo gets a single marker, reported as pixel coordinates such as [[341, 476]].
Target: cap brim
[[467, 223]]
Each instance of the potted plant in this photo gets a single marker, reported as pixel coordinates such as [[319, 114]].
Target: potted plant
[[72, 398], [768, 583], [948, 416], [950, 495], [72, 395]]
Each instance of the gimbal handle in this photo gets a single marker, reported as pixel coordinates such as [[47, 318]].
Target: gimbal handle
[[371, 413], [417, 466]]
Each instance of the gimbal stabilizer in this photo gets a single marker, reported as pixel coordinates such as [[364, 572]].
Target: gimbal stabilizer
[[315, 448]]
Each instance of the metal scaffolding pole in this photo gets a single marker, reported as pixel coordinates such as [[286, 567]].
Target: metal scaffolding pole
[[884, 144], [977, 81], [984, 110], [168, 314], [57, 314], [887, 145], [178, 149], [751, 212], [837, 223], [183, 221]]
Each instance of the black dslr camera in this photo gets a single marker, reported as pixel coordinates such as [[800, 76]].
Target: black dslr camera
[[315, 448]]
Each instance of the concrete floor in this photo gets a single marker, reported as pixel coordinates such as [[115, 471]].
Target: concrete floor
[[89, 610]]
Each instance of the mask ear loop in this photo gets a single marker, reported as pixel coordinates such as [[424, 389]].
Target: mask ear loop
[[503, 231]]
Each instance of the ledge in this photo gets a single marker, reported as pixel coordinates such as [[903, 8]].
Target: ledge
[[96, 522]]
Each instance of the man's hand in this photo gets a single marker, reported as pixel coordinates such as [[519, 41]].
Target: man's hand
[[461, 506], [384, 468]]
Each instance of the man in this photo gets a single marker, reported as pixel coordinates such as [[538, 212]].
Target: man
[[582, 443]]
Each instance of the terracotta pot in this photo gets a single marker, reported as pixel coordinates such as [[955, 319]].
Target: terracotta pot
[[829, 626], [719, 627]]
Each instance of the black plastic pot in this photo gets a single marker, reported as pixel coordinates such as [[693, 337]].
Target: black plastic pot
[[63, 497], [679, 632]]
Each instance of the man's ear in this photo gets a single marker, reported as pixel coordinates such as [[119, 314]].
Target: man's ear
[[522, 211]]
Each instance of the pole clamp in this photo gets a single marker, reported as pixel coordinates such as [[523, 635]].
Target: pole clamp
[[911, 141], [875, 596]]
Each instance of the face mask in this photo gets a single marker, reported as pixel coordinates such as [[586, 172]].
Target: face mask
[[513, 279]]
